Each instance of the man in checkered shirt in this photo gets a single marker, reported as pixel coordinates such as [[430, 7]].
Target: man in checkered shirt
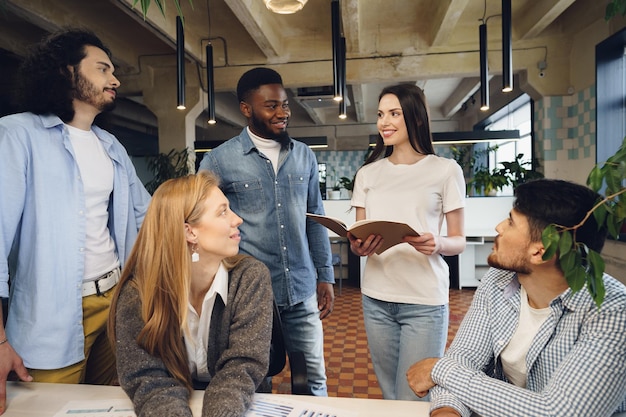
[[529, 346]]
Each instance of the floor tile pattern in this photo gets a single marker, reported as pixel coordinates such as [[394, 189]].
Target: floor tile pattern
[[348, 365]]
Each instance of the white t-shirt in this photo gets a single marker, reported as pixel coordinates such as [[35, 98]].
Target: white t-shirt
[[96, 172], [197, 338], [417, 194], [513, 356], [268, 147]]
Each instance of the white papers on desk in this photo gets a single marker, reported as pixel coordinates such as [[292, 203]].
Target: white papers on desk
[[277, 406], [98, 408], [263, 405]]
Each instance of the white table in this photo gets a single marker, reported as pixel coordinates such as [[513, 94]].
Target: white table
[[40, 399]]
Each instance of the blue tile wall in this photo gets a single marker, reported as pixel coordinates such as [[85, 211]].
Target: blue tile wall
[[565, 126]]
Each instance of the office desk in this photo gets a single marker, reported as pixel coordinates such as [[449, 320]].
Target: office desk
[[45, 400]]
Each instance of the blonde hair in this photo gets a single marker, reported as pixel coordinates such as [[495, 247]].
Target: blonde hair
[[159, 266]]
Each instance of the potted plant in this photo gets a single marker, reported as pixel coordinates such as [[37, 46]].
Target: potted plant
[[335, 192], [517, 172], [348, 184], [468, 158], [165, 166], [487, 182]]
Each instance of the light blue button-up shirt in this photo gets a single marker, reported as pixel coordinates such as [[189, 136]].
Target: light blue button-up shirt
[[275, 228], [42, 234], [576, 362]]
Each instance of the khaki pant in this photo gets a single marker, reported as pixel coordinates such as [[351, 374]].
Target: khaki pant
[[98, 367]]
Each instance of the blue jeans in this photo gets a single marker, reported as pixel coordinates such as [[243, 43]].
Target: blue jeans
[[304, 333], [398, 335]]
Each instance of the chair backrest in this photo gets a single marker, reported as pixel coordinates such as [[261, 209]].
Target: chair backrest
[[278, 354], [278, 358]]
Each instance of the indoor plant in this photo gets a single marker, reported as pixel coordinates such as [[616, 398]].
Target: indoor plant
[[487, 182], [347, 183], [165, 166], [517, 172], [335, 192], [145, 4]]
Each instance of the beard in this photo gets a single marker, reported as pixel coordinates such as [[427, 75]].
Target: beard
[[517, 264], [86, 91], [260, 128]]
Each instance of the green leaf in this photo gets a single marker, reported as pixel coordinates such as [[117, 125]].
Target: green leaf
[[569, 261], [600, 215], [145, 5], [565, 243], [595, 283], [612, 227], [550, 240], [594, 180], [597, 263], [576, 278]]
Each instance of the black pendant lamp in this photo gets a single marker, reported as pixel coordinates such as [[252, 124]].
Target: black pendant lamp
[[343, 88], [180, 63], [484, 70], [210, 84], [507, 48], [336, 40]]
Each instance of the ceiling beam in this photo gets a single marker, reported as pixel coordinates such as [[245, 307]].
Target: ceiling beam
[[256, 19], [532, 20], [445, 19], [351, 24], [465, 89]]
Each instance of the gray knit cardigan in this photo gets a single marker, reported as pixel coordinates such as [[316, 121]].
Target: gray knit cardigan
[[238, 355]]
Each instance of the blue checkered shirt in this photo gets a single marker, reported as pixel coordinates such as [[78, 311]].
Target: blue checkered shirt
[[576, 363]]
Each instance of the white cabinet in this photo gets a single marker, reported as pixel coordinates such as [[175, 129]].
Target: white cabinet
[[473, 261], [482, 215]]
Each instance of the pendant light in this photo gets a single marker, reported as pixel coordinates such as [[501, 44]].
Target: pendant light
[[180, 63], [507, 48], [484, 69], [210, 84]]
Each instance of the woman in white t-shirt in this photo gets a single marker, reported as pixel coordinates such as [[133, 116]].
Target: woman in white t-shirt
[[405, 288]]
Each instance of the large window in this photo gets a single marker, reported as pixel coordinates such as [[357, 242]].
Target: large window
[[517, 115]]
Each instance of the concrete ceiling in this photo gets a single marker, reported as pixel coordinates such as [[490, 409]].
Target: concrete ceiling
[[433, 43]]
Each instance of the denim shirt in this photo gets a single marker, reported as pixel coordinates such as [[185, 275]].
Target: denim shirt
[[42, 234], [275, 228]]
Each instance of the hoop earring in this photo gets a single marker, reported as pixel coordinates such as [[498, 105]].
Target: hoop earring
[[195, 257]]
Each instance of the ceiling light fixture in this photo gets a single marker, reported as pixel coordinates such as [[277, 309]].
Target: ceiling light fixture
[[484, 68], [210, 84], [285, 6], [507, 48], [343, 88], [335, 23], [180, 64]]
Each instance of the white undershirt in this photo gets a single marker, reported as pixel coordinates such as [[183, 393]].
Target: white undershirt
[[268, 147], [197, 338], [96, 174], [514, 354]]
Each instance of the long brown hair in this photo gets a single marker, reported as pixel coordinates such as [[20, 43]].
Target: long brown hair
[[159, 266], [416, 117]]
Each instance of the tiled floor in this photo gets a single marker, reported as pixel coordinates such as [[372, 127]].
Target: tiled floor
[[348, 365]]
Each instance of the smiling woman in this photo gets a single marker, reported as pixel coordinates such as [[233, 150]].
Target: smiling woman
[[422, 188]]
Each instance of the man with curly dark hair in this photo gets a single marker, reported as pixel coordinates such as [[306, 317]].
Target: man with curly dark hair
[[71, 205]]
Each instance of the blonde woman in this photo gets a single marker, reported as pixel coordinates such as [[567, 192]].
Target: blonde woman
[[189, 312]]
